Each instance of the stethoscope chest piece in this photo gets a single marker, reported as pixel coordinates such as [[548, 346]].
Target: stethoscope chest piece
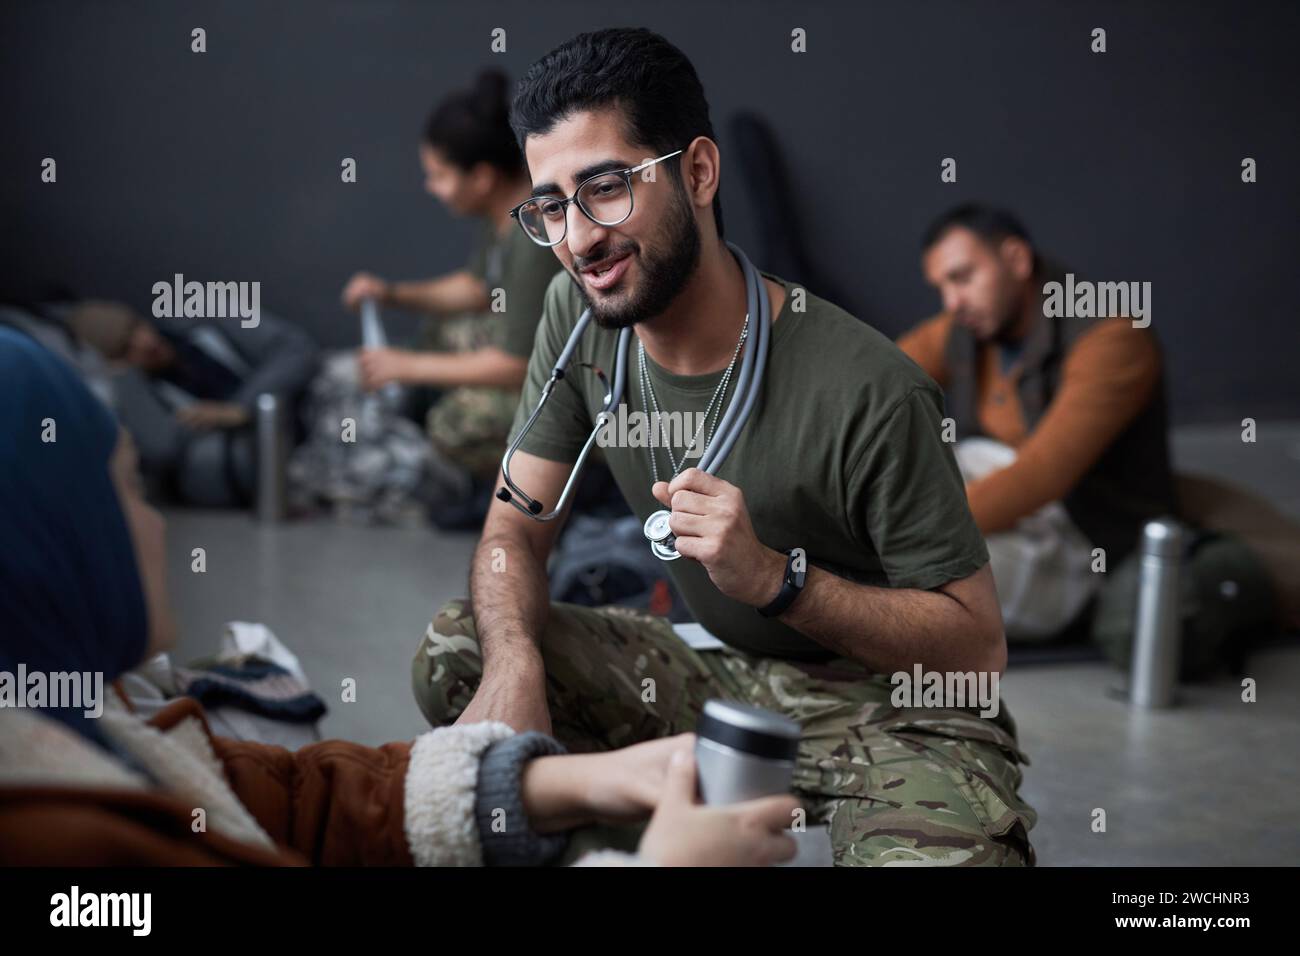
[[661, 536]]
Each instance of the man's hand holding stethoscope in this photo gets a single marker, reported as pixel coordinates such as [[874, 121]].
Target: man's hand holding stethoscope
[[711, 525]]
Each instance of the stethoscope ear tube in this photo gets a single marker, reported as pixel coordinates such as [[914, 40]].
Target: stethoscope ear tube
[[748, 384], [561, 363], [752, 366], [513, 494]]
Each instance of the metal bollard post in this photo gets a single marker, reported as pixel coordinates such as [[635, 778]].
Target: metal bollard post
[[272, 450], [1157, 633]]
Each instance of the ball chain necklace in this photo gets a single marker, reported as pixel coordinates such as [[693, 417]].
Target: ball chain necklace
[[648, 387]]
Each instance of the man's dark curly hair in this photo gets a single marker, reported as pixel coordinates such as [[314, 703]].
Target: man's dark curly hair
[[632, 69]]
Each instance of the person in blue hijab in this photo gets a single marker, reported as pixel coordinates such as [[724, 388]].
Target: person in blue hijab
[[71, 598]]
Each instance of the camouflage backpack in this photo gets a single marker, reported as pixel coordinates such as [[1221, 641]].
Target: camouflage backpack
[[1226, 603]]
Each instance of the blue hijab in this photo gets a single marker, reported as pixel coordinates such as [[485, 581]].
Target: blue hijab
[[70, 593]]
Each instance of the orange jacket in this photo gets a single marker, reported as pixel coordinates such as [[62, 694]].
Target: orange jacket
[[1108, 376]]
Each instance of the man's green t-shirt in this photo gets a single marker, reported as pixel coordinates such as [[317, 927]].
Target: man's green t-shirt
[[522, 270], [842, 456]]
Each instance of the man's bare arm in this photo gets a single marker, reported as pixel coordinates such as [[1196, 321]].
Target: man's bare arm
[[955, 627], [451, 294], [511, 602], [487, 367]]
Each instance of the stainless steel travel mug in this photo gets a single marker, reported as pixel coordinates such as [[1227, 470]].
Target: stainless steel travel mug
[[1158, 627], [743, 752], [272, 451]]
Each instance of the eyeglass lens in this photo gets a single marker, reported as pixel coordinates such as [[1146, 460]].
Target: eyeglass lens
[[606, 199]]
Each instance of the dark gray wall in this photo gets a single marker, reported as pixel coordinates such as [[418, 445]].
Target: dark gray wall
[[1125, 165]]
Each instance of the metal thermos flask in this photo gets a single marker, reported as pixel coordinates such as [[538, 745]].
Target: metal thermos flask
[[1157, 630], [743, 752], [373, 336], [272, 449]]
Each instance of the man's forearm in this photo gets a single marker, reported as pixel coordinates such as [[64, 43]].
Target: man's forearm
[[511, 606], [485, 368], [891, 629], [446, 295]]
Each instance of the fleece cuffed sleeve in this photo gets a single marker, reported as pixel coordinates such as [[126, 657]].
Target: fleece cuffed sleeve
[[504, 832], [441, 781]]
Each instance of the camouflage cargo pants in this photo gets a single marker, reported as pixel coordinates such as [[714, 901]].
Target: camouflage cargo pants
[[911, 786], [469, 426]]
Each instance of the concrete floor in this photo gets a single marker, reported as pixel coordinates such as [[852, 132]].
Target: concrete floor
[[1211, 782]]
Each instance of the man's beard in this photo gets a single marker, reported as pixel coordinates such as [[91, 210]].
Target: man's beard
[[1000, 330], [662, 277]]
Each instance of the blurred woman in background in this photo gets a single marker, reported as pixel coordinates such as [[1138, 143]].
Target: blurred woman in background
[[475, 345]]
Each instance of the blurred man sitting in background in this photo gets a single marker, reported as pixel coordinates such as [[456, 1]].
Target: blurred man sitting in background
[[1060, 419]]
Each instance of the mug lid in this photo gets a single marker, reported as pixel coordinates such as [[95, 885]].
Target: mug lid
[[752, 730]]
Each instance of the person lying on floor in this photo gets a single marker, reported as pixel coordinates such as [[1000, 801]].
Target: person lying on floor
[[188, 389], [83, 591]]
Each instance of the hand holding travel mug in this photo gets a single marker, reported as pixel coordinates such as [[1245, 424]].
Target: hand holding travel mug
[[744, 752]]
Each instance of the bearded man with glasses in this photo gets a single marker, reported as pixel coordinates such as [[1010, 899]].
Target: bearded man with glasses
[[842, 462]]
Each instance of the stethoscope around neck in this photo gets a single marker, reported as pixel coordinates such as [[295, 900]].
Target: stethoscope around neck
[[749, 383]]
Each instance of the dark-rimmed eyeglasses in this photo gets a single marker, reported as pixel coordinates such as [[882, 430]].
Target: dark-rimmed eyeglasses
[[605, 199]]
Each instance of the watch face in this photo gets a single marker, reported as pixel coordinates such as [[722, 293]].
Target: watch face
[[798, 566]]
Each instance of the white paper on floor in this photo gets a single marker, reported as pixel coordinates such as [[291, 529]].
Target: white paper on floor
[[697, 637]]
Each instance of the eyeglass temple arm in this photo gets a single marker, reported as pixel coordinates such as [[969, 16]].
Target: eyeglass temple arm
[[637, 169]]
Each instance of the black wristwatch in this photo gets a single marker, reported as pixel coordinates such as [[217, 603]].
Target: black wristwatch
[[796, 566]]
